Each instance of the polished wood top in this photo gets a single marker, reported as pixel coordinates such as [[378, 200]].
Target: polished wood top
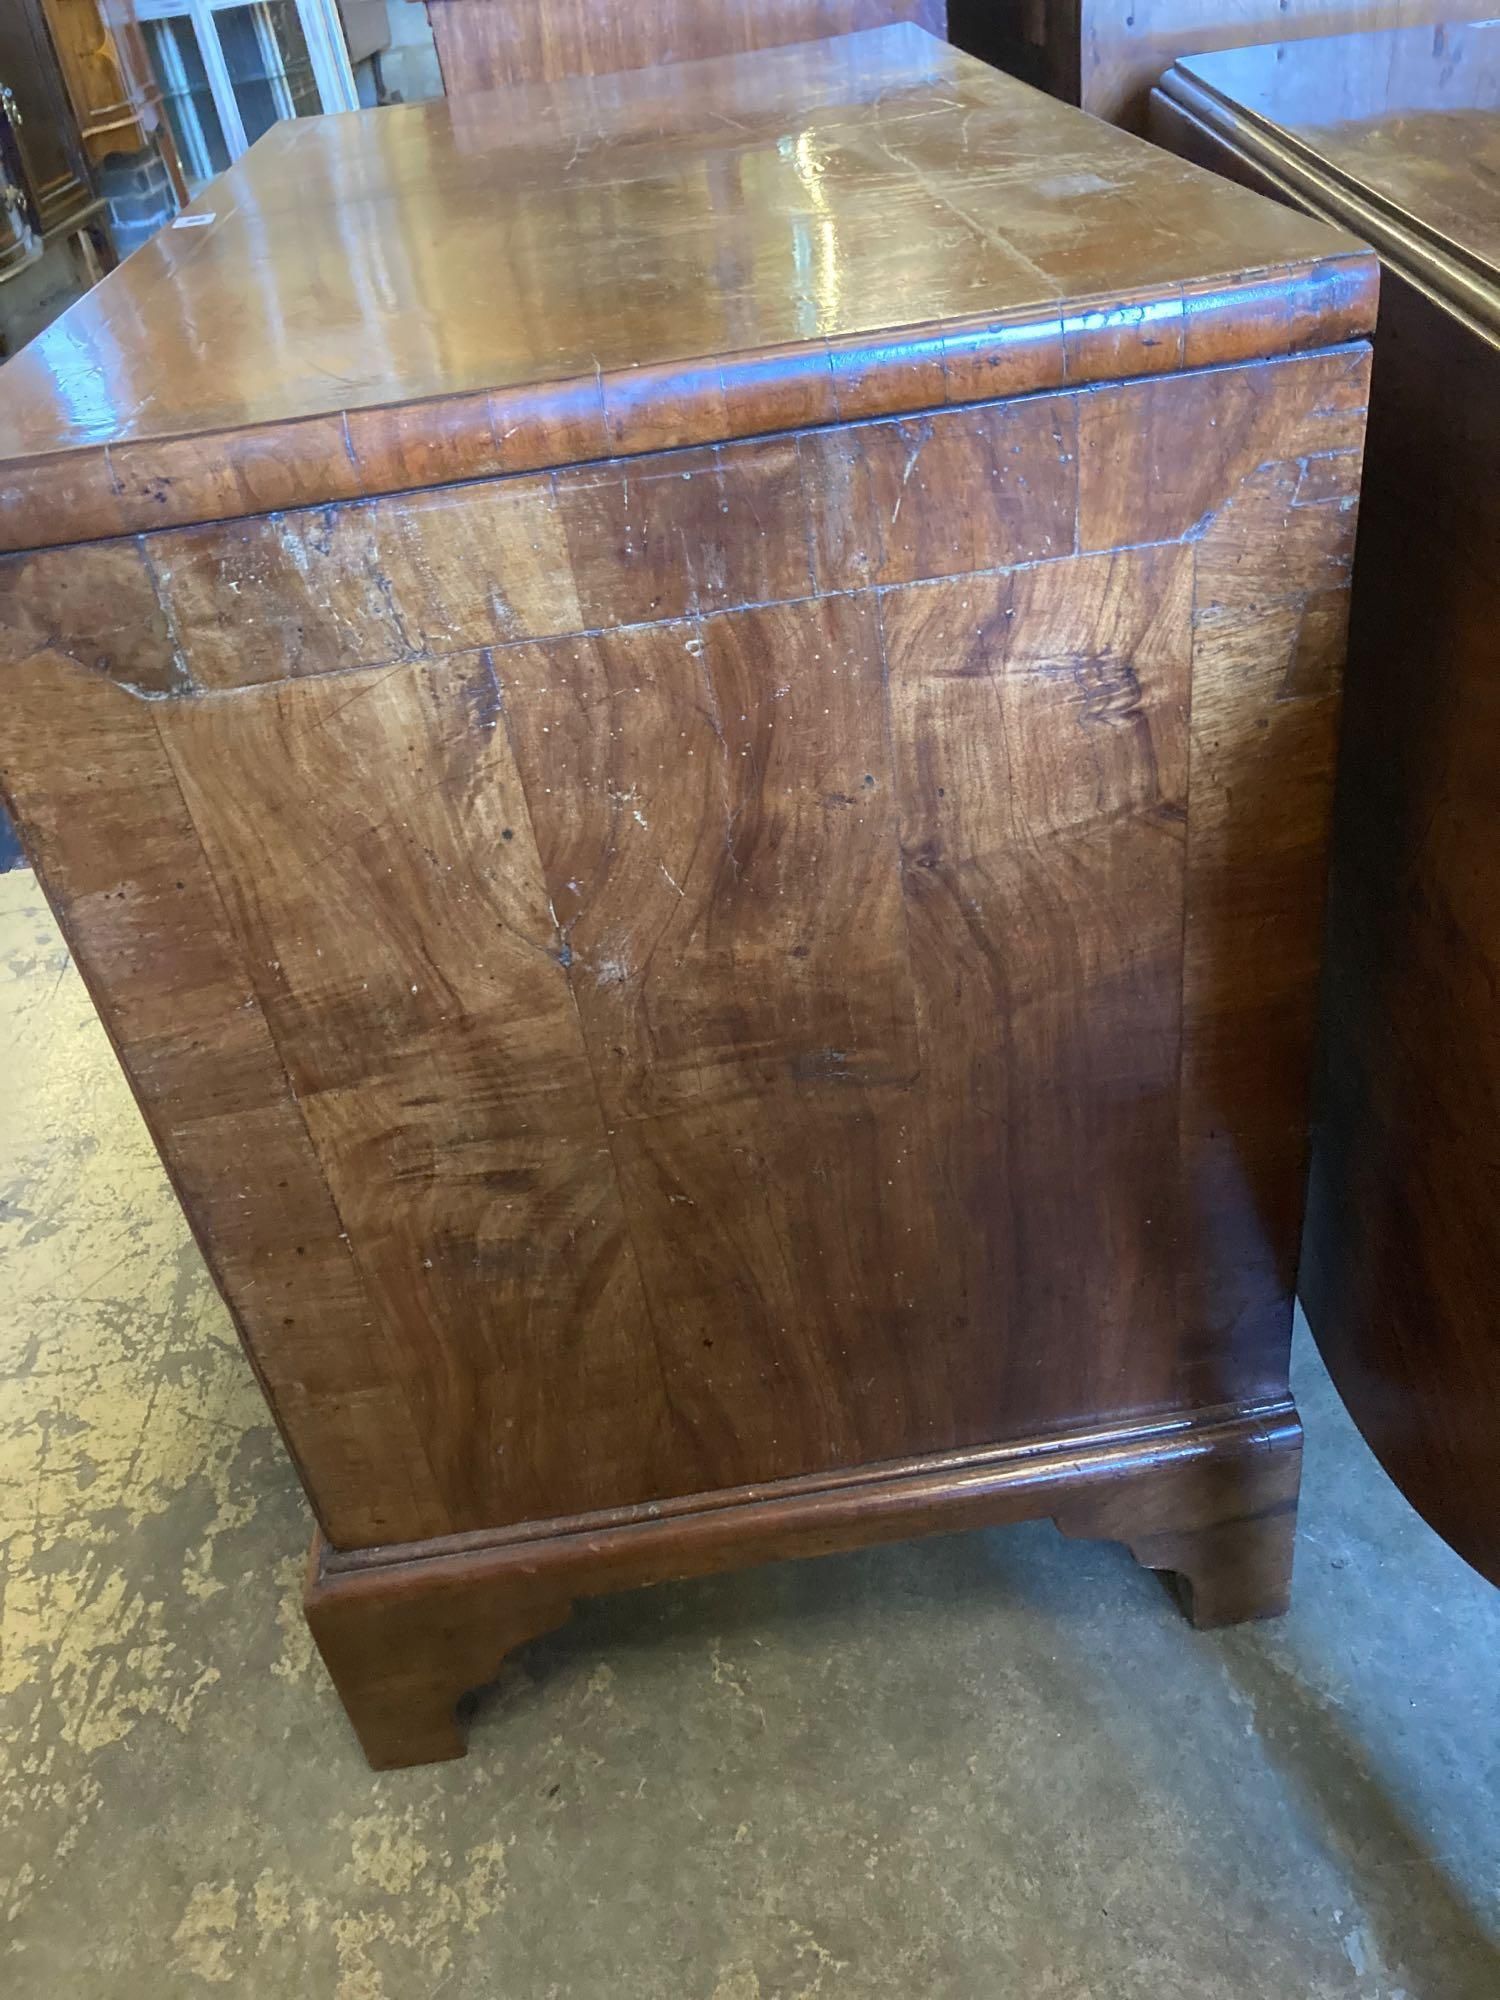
[[870, 223], [1406, 124]]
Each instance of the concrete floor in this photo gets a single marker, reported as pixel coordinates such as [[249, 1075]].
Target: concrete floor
[[993, 1765]]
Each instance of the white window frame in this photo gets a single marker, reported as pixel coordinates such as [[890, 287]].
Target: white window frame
[[321, 28]]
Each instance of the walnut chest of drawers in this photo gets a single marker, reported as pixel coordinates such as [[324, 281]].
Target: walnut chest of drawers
[[683, 725], [1398, 134]]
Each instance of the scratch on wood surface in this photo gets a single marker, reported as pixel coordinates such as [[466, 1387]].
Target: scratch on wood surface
[[913, 453]]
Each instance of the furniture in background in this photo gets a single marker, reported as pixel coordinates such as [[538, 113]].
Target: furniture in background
[[20, 242], [53, 234], [367, 30], [1106, 54], [115, 97], [484, 43], [55, 185], [1397, 136], [689, 759], [228, 70]]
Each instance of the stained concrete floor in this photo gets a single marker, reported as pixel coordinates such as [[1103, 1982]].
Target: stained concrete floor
[[994, 1765]]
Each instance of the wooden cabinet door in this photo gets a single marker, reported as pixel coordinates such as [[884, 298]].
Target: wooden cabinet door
[[41, 119], [106, 74]]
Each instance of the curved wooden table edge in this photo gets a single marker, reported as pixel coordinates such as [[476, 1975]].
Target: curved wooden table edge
[[88, 493], [407, 1632], [1203, 127]]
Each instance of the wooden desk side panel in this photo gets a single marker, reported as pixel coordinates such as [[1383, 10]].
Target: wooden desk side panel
[[486, 44], [723, 965]]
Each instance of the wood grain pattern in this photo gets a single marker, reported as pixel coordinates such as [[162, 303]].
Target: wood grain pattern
[[1273, 574], [702, 836], [1271, 591], [458, 290], [761, 1035], [435, 1054], [485, 43], [903, 500], [715, 813], [1041, 741], [108, 832]]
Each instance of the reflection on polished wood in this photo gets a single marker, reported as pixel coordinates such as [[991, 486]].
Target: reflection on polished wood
[[1399, 136], [1396, 134], [680, 853], [674, 256], [1107, 54], [483, 44]]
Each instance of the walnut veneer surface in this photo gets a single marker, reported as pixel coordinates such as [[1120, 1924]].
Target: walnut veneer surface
[[719, 928], [525, 279]]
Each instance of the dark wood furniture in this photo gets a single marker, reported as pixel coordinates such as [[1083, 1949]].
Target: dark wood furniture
[[109, 81], [484, 43], [49, 179], [1106, 54], [686, 741], [20, 240], [1398, 135]]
